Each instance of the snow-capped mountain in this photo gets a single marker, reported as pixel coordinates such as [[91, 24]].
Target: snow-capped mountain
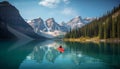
[[75, 23], [48, 28], [52, 25], [37, 24], [89, 19]]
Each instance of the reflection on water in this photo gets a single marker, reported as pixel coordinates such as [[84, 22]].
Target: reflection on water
[[44, 55], [76, 56]]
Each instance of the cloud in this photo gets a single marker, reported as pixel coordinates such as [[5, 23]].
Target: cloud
[[69, 11], [66, 1], [49, 3], [52, 3]]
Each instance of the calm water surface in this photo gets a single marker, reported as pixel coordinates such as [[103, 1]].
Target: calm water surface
[[44, 55]]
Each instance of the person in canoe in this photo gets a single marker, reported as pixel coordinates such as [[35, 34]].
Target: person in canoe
[[60, 49]]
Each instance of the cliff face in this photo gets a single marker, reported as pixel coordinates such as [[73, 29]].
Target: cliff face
[[10, 17], [4, 33]]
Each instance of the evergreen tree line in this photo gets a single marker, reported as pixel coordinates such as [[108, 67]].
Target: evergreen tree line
[[107, 26]]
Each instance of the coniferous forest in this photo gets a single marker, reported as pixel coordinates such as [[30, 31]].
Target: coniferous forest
[[105, 27]]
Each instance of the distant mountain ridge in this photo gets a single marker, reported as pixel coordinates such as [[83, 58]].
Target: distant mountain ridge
[[50, 25], [76, 22], [47, 28]]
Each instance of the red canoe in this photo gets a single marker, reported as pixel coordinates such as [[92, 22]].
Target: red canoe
[[61, 50]]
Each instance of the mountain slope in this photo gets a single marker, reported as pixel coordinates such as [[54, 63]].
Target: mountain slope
[[15, 21], [52, 25], [37, 24]]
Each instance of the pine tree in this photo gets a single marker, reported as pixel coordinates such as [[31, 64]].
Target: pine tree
[[113, 29], [107, 26], [100, 31], [118, 26]]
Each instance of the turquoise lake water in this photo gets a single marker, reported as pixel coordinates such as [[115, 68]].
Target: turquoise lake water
[[44, 55]]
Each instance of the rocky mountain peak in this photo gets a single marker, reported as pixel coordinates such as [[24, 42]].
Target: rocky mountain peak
[[50, 20], [37, 20], [4, 3], [77, 19]]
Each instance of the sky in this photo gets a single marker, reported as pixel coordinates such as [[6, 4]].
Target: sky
[[63, 10]]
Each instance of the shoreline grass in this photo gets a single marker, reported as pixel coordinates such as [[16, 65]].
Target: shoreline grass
[[94, 39]]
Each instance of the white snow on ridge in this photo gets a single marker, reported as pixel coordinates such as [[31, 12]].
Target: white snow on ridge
[[53, 34]]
